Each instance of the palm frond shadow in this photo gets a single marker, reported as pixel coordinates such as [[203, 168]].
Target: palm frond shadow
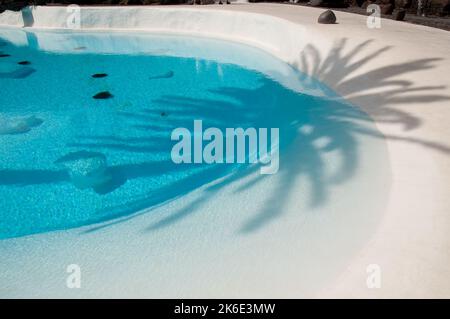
[[336, 122], [339, 68], [302, 125], [310, 128]]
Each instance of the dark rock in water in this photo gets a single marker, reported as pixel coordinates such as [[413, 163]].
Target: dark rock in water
[[4, 55], [327, 17], [163, 114], [399, 15], [387, 9], [166, 75], [24, 62], [103, 95], [21, 73], [99, 75]]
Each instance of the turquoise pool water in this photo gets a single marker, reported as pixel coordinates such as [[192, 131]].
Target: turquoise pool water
[[52, 126]]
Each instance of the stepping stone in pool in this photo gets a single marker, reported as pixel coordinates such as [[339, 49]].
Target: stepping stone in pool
[[18, 125], [103, 95], [99, 75], [4, 55], [24, 62], [86, 169], [166, 75]]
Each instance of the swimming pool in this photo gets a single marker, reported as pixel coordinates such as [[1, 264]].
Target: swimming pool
[[74, 102]]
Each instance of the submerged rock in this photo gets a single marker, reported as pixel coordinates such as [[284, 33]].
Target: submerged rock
[[86, 169], [99, 75], [18, 125], [166, 75], [24, 62], [327, 17], [4, 55], [103, 95]]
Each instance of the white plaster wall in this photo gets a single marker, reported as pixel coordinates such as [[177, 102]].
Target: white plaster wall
[[275, 35], [11, 18]]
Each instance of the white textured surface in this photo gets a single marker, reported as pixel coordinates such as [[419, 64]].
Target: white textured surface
[[277, 36], [11, 18], [399, 74]]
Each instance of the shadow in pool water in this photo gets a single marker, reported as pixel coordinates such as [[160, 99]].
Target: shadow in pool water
[[31, 177], [334, 122], [309, 129], [27, 16], [300, 126]]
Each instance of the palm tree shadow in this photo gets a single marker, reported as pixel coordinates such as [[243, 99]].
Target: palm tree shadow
[[305, 121], [339, 68], [336, 122]]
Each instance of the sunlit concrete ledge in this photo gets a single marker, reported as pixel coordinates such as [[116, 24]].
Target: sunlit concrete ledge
[[398, 74]]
